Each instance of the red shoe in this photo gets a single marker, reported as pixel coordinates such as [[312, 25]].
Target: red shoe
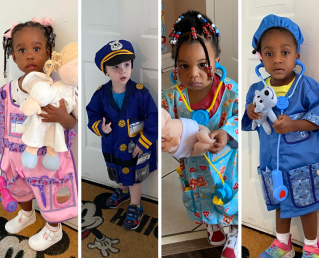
[[231, 247], [216, 235]]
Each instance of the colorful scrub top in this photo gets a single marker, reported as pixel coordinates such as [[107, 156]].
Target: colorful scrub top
[[196, 171]]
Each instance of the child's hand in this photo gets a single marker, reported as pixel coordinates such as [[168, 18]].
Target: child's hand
[[58, 115], [106, 128], [283, 125], [221, 138], [251, 112], [137, 152]]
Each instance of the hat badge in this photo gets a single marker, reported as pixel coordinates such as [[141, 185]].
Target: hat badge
[[116, 45]]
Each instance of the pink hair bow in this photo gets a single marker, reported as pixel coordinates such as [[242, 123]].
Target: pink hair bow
[[8, 35], [44, 22]]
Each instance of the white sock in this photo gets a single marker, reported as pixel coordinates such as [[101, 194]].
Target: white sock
[[54, 229], [283, 238], [311, 242], [27, 213]]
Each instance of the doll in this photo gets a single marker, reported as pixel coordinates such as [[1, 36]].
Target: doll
[[42, 92], [184, 137]]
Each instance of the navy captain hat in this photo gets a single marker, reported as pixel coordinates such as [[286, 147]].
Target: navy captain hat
[[113, 53]]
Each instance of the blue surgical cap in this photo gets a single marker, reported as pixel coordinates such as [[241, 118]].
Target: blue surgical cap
[[276, 21]]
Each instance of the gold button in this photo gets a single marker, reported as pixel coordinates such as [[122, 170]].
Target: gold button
[[121, 123], [125, 170], [123, 147], [139, 86]]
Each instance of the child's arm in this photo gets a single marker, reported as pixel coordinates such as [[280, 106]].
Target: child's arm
[[95, 114], [308, 122], [58, 115], [285, 124], [149, 134], [249, 114]]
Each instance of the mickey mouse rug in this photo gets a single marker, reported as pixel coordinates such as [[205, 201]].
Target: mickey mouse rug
[[103, 232], [16, 245]]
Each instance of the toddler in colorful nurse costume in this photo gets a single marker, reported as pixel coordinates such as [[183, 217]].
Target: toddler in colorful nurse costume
[[195, 49], [30, 45], [277, 41], [123, 113]]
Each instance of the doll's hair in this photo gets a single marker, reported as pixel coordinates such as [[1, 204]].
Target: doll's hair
[[266, 32], [194, 27], [8, 43]]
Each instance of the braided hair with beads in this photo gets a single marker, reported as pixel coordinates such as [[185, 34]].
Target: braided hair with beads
[[192, 26], [8, 42]]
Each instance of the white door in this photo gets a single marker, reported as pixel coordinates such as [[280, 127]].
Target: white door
[[228, 27], [102, 22], [304, 13]]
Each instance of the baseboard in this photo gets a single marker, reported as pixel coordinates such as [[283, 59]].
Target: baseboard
[[186, 246]]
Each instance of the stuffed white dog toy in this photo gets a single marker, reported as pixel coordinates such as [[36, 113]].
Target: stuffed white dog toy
[[264, 101]]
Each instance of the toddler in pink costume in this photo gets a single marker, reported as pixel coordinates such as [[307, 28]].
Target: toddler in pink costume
[[30, 45]]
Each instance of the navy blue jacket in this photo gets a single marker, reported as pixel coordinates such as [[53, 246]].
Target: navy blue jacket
[[138, 107]]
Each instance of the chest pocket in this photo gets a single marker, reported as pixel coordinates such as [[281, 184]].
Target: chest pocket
[[134, 126], [15, 124], [297, 136]]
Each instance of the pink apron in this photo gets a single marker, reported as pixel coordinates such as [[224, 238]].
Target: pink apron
[[55, 191]]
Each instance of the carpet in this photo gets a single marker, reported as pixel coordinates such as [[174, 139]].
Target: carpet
[[103, 233], [16, 245]]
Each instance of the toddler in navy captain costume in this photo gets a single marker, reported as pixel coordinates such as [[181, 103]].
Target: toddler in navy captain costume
[[123, 113]]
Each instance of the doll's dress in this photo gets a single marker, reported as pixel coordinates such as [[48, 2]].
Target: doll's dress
[[35, 132]]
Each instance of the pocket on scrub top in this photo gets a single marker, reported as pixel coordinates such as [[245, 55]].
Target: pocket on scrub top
[[296, 136], [267, 186], [189, 200], [315, 176], [300, 183], [231, 207]]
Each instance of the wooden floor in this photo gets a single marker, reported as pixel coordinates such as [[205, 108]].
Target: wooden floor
[[210, 252]]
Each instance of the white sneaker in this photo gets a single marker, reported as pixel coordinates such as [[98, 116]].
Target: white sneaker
[[20, 222], [231, 247], [45, 238]]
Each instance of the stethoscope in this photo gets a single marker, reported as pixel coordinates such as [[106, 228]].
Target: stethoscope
[[202, 116], [280, 192], [223, 191]]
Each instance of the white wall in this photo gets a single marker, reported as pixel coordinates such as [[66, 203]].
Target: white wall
[[65, 24]]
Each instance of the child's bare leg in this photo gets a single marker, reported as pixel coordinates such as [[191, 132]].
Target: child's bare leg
[[53, 224], [124, 188], [282, 225], [26, 206], [136, 193], [309, 224]]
